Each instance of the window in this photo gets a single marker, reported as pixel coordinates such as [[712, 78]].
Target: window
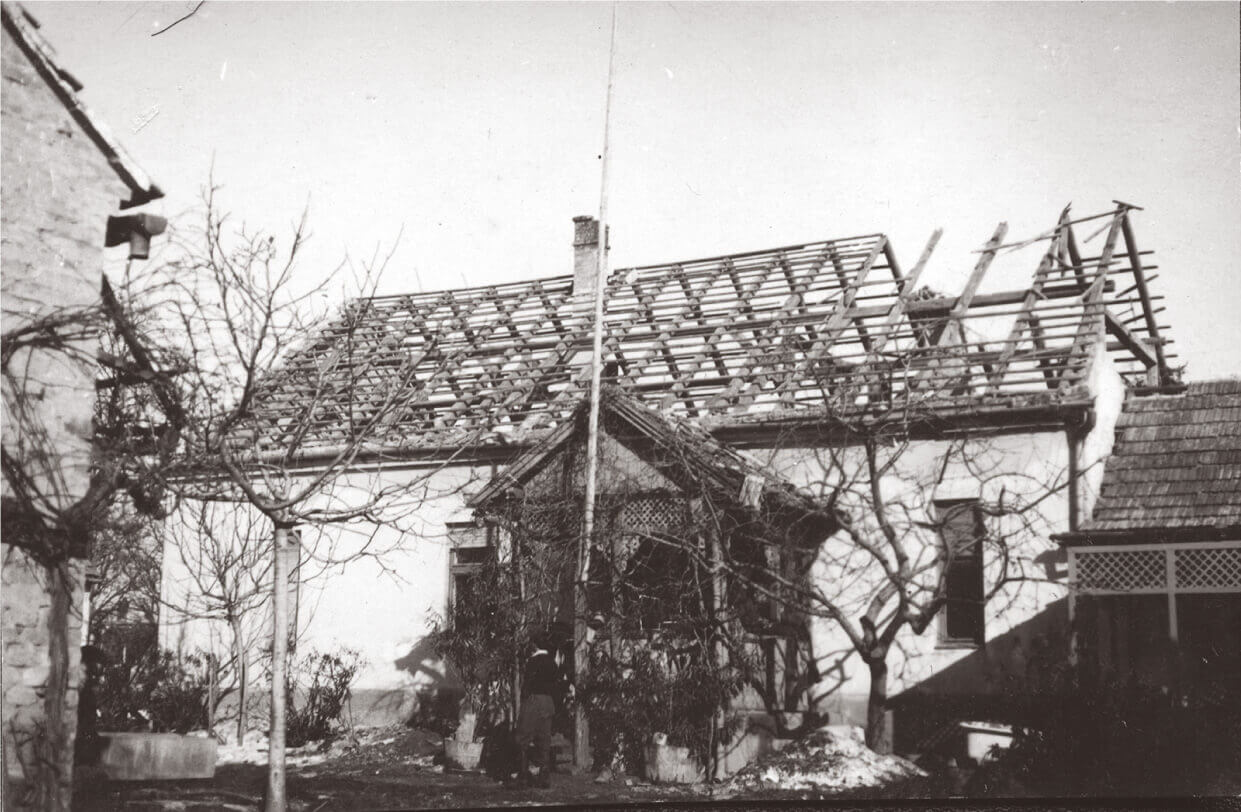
[[470, 552], [961, 533]]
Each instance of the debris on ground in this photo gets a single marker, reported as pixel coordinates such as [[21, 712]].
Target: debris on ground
[[834, 757]]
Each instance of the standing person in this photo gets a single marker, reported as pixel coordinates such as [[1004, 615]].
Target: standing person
[[543, 690]]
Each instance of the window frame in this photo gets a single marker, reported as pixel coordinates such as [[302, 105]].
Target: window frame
[[974, 560]]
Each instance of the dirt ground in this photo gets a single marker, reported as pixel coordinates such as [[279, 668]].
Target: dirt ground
[[400, 768], [392, 768]]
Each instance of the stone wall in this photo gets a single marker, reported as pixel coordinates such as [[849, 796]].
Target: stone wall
[[25, 605], [58, 190]]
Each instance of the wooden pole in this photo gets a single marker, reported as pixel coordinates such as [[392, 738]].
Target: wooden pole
[[279, 667], [581, 743]]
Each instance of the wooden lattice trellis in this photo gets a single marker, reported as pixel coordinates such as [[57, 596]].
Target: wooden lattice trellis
[[829, 327], [1156, 568]]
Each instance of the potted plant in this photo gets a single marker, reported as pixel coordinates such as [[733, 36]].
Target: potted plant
[[464, 749], [476, 649]]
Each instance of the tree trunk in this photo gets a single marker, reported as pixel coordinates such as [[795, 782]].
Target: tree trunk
[[279, 656], [877, 734], [243, 675], [54, 784]]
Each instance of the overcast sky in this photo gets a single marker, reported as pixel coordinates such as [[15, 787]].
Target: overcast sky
[[473, 130]]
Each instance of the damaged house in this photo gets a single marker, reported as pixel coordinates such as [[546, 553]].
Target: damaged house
[[857, 476]]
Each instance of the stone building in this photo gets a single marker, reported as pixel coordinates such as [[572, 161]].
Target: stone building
[[63, 175]]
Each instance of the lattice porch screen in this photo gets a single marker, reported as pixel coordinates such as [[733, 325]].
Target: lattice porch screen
[[1155, 569]]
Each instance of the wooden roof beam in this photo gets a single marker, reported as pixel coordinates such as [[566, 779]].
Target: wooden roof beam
[[959, 308], [1139, 277], [858, 323], [836, 324], [906, 289], [1022, 321], [1093, 299], [975, 279], [1133, 343]]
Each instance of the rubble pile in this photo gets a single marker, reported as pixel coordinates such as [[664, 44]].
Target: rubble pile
[[832, 758]]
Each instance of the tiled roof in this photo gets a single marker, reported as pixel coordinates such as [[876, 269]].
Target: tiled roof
[[1176, 462], [832, 327]]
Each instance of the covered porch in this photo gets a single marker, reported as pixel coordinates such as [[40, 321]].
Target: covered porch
[[1160, 615]]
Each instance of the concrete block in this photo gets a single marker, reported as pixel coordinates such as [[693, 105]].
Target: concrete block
[[156, 756]]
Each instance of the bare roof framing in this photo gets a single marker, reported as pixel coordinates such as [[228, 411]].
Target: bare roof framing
[[797, 330]]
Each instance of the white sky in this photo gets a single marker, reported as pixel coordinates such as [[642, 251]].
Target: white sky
[[475, 128]]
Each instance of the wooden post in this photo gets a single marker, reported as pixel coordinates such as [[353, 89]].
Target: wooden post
[[581, 653], [279, 670]]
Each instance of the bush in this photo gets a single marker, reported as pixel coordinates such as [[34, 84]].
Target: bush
[[323, 681], [628, 699], [158, 691], [1125, 738]]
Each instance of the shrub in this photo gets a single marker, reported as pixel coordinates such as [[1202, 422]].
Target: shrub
[[631, 697], [1120, 737], [322, 680], [157, 691]]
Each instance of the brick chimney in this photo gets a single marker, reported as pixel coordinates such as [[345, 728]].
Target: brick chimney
[[585, 259]]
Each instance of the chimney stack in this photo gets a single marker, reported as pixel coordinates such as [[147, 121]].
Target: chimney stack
[[585, 259]]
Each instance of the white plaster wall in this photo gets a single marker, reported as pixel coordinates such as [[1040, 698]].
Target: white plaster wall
[[1109, 398], [381, 603], [920, 477], [384, 607]]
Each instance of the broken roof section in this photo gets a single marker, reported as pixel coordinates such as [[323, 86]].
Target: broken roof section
[[25, 31], [831, 331]]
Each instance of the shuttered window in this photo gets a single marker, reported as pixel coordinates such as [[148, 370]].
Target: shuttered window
[[961, 528]]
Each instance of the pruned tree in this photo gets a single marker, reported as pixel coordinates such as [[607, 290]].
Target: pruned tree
[[226, 582], [288, 400]]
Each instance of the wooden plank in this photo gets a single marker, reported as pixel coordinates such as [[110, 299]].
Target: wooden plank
[[897, 311], [858, 323], [958, 310], [749, 379], [1152, 328], [1129, 341], [1093, 300], [975, 279], [1027, 310], [835, 325]]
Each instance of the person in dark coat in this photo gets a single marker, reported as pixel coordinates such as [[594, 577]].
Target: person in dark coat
[[543, 686]]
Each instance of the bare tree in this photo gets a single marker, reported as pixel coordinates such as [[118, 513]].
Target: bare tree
[[227, 571], [287, 398], [46, 517]]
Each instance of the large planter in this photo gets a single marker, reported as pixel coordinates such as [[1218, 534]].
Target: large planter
[[156, 756], [464, 755], [666, 764]]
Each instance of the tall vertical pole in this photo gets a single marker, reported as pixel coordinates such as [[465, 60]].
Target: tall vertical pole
[[279, 668], [581, 744]]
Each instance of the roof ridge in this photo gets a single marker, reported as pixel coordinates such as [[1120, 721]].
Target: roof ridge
[[615, 275], [24, 28]]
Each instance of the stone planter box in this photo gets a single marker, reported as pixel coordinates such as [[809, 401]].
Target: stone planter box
[[156, 756]]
